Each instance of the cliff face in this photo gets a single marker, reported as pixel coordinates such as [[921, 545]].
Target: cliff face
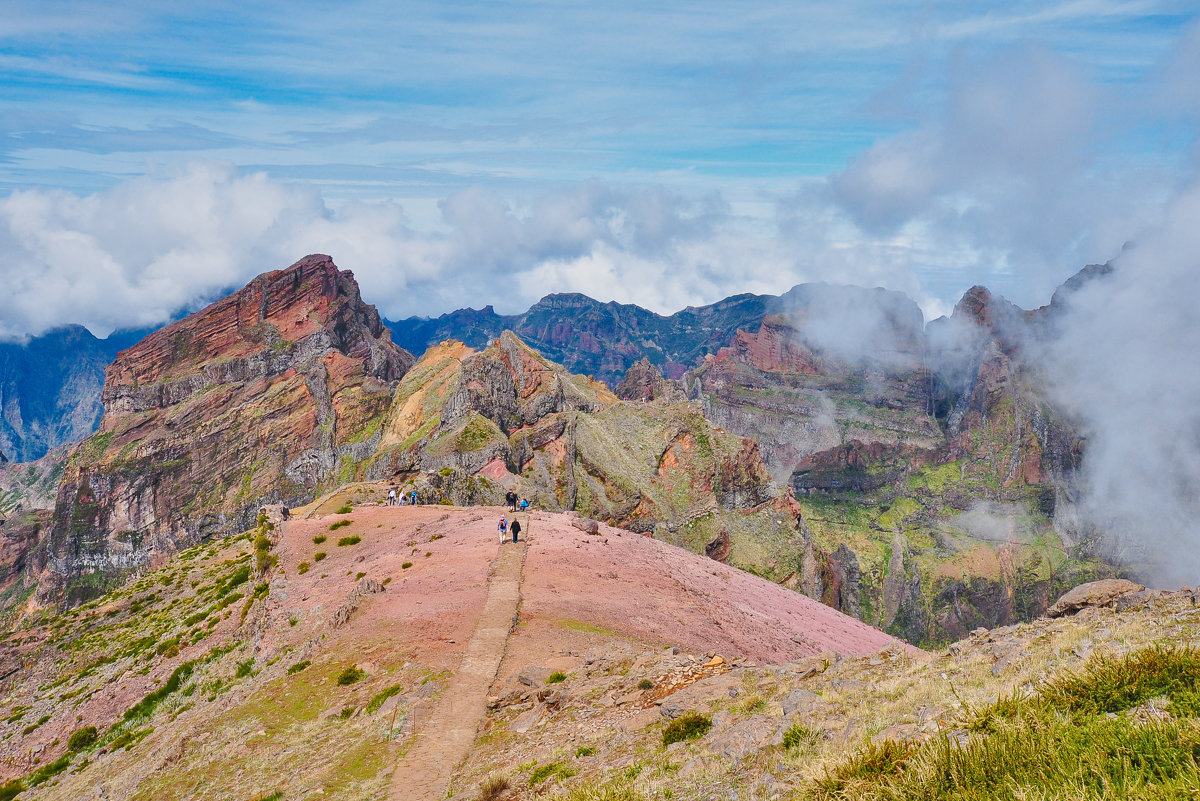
[[466, 426], [257, 398]]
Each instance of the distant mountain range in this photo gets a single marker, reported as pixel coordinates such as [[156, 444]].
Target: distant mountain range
[[50, 389]]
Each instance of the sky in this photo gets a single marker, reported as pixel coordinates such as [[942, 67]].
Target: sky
[[156, 155]]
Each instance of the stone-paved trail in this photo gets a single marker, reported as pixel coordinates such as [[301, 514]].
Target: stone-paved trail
[[446, 739]]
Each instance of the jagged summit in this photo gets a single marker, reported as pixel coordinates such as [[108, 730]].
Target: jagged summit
[[255, 398]]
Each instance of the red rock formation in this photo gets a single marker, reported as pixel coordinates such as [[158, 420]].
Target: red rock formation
[[262, 396]]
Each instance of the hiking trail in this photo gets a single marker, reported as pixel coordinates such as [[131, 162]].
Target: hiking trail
[[423, 774]]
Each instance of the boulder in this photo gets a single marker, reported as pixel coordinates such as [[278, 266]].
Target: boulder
[[1095, 593]]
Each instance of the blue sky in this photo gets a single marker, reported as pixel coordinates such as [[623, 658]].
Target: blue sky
[[153, 155]]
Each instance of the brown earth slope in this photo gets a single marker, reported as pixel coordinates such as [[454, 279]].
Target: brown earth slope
[[264, 697]]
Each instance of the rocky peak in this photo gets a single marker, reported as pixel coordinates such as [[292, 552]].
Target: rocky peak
[[260, 397], [643, 382]]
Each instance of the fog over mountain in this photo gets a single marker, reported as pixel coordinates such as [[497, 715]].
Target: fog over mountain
[[1125, 361]]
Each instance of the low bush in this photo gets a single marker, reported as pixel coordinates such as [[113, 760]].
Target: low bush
[[303, 568], [319, 555], [317, 540], [492, 788], [345, 510], [378, 699], [82, 738], [350, 676], [800, 736], [645, 684], [340, 524], [556, 677], [299, 666], [406, 565], [686, 727], [351, 540]]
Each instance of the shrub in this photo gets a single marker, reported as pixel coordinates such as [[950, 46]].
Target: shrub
[[299, 666], [319, 555], [352, 540], [11, 789], [350, 675], [686, 727], [317, 540], [406, 565], [645, 684], [303, 568], [1114, 685], [493, 787], [244, 669], [263, 559], [801, 736], [345, 510], [340, 524], [381, 696], [147, 705], [543, 772], [82, 738], [556, 677], [871, 765], [584, 750]]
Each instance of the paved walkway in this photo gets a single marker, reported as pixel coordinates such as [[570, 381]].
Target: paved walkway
[[446, 739]]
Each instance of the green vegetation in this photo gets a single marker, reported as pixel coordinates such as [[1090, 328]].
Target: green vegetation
[[319, 555], [82, 738], [543, 772], [688, 726], [381, 696], [345, 510], [799, 737], [584, 750], [11, 789], [317, 540], [645, 684], [351, 675], [1104, 733], [339, 524], [146, 707], [556, 677], [406, 565], [299, 666], [351, 540], [303, 568]]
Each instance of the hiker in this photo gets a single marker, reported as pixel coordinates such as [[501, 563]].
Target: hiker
[[516, 529], [503, 530], [392, 497], [510, 498], [524, 504], [413, 497]]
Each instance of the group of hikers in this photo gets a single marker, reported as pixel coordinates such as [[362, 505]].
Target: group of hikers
[[402, 499], [511, 500]]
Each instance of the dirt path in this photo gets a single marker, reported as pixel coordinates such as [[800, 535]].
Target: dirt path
[[446, 739]]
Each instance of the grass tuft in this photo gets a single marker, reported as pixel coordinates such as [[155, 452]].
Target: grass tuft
[[686, 727]]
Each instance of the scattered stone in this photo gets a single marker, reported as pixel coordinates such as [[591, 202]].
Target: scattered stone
[[534, 676], [586, 525]]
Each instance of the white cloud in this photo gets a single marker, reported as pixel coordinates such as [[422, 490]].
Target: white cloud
[[1125, 363]]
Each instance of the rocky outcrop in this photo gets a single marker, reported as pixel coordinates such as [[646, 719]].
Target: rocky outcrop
[[1105, 592], [643, 382], [264, 396]]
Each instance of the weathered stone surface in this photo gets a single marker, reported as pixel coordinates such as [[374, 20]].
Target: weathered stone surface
[[1095, 593], [260, 397]]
